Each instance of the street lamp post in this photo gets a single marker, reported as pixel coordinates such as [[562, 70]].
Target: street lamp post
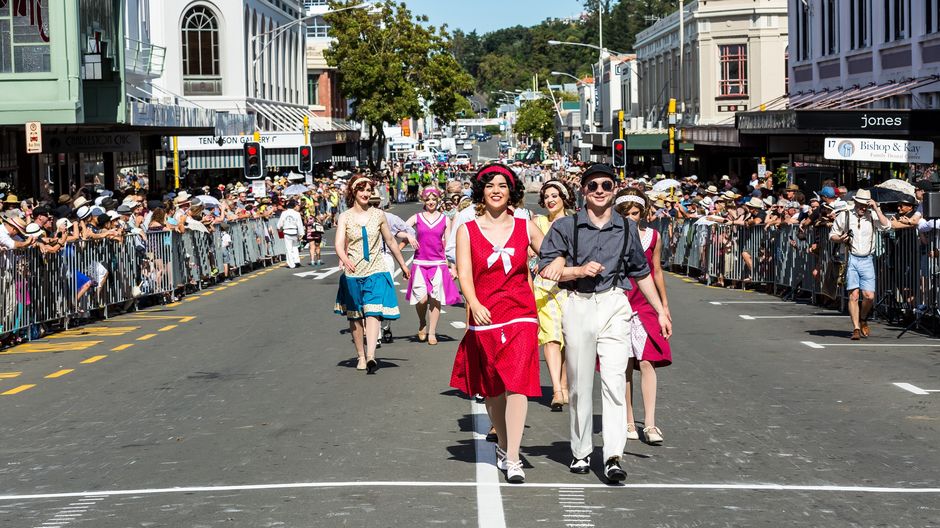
[[276, 32]]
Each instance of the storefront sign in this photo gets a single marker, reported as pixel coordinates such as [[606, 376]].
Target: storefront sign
[[883, 150], [863, 121], [34, 137], [268, 140], [92, 142]]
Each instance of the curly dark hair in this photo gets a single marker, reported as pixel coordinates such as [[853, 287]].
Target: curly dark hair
[[486, 174], [351, 191], [567, 196]]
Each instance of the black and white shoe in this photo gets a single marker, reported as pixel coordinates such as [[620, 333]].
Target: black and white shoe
[[514, 473], [580, 466], [613, 471]]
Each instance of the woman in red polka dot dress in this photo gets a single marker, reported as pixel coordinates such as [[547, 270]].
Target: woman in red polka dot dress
[[499, 355]]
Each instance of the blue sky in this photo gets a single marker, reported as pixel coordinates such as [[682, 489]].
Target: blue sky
[[488, 15]]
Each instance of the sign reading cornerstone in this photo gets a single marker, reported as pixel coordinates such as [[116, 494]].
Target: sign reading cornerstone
[[100, 142]]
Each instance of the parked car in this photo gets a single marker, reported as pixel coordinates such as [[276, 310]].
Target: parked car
[[462, 159]]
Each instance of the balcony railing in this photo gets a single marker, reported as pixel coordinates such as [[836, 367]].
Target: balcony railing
[[193, 85], [144, 58]]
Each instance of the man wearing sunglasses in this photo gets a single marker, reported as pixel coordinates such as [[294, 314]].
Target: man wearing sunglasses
[[593, 255]]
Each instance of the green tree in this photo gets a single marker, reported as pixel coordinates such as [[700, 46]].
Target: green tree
[[536, 119], [393, 66]]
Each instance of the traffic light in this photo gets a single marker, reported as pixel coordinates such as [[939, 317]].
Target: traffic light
[[305, 157], [669, 160], [166, 145], [620, 153], [184, 164], [254, 165]]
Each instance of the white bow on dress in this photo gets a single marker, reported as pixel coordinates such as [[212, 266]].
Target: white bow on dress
[[505, 254]]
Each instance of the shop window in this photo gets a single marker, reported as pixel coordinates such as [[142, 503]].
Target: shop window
[[829, 27], [24, 36], [733, 60], [313, 89], [201, 71]]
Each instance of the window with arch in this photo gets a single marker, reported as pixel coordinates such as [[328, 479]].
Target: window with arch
[[201, 69]]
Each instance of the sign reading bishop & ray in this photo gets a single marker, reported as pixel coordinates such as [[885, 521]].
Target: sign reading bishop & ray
[[883, 150]]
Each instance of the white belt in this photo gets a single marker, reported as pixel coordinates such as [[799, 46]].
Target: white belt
[[500, 325], [429, 262]]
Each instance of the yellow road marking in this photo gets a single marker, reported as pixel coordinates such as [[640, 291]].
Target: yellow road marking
[[146, 337], [9, 375], [59, 373], [206, 294], [95, 331], [122, 347], [173, 305], [189, 299], [59, 346], [17, 390], [181, 318], [93, 359], [167, 328]]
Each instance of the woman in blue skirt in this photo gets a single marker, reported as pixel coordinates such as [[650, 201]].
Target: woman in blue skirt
[[366, 290]]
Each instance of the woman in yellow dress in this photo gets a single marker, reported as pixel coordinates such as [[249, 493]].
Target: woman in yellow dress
[[556, 197]]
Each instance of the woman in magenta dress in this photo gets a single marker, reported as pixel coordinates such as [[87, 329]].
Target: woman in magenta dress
[[655, 351], [499, 355], [431, 284]]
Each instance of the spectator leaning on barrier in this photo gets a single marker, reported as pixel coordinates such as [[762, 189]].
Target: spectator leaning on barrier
[[857, 228]]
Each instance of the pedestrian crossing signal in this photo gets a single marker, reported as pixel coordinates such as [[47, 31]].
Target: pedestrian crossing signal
[[305, 157], [620, 153], [254, 166]]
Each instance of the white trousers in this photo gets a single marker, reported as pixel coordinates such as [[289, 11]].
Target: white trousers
[[597, 326], [292, 250]]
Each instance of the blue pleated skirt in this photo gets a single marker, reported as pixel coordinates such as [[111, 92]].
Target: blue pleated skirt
[[369, 296]]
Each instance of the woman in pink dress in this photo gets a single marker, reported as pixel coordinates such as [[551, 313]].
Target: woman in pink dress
[[431, 284], [655, 353], [499, 355]]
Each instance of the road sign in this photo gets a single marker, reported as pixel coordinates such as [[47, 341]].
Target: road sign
[[761, 169], [258, 189], [34, 137], [883, 150]]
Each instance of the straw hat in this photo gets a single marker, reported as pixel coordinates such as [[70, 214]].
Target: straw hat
[[33, 230], [863, 196], [756, 203], [80, 201], [12, 199]]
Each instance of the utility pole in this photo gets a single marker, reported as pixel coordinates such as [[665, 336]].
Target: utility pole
[[176, 164]]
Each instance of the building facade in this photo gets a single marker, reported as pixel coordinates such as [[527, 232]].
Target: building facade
[[715, 59], [82, 69]]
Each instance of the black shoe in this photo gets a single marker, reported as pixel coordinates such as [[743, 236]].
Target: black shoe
[[387, 336], [613, 471], [371, 366], [581, 466]]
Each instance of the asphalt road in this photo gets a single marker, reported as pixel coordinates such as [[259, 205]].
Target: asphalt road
[[242, 407]]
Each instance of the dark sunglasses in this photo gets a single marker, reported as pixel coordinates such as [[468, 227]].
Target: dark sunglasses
[[607, 185]]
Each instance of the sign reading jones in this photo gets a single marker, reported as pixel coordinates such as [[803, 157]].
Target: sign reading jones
[[883, 150]]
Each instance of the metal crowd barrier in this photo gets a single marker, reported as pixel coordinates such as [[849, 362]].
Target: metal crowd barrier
[[796, 262], [86, 275]]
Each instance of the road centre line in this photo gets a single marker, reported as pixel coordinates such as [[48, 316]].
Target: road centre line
[[17, 390], [59, 373], [813, 344], [9, 375], [93, 359], [122, 347], [489, 498], [719, 303], [807, 316], [167, 328], [42, 346], [433, 484], [146, 337]]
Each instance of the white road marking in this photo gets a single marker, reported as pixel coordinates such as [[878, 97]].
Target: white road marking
[[460, 325], [398, 271], [319, 274], [915, 389], [719, 303], [812, 344], [808, 316], [489, 498], [435, 484]]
